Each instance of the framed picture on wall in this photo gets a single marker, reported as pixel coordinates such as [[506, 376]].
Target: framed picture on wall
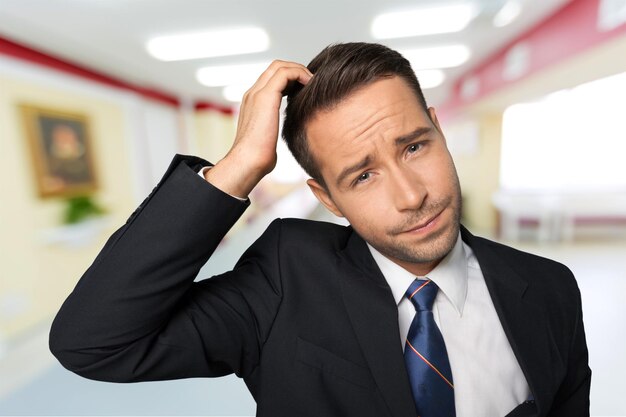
[[61, 150]]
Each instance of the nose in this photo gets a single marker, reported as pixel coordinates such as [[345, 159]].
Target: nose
[[407, 190]]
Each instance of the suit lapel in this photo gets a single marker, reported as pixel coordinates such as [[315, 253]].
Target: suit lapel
[[374, 317], [522, 318]]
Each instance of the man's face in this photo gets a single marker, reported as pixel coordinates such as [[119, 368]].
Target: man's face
[[389, 173]]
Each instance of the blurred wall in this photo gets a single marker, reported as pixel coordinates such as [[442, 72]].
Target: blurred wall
[[478, 168], [133, 141], [477, 154], [37, 276], [214, 133]]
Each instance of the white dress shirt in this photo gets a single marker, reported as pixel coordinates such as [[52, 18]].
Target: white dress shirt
[[488, 380], [203, 170]]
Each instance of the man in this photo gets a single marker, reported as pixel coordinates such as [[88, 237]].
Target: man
[[403, 313]]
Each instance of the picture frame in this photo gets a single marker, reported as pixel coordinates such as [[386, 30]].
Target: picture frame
[[61, 151]]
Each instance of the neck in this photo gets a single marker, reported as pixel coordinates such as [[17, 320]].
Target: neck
[[419, 269]]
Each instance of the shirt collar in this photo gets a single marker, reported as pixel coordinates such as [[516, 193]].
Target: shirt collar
[[450, 275]]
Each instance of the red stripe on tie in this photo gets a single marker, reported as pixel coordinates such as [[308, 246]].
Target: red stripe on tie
[[422, 286], [429, 364]]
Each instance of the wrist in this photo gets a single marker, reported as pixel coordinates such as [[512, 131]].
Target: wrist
[[233, 177]]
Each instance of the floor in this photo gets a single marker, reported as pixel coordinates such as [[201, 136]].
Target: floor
[[33, 383]]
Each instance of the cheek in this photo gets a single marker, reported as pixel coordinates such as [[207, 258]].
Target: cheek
[[367, 210], [439, 174]]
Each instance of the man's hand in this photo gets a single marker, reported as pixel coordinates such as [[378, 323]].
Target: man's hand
[[253, 154]]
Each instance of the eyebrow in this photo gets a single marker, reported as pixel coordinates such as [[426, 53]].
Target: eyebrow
[[353, 168], [400, 141], [410, 137]]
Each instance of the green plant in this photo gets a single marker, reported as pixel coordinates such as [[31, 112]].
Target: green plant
[[80, 208]]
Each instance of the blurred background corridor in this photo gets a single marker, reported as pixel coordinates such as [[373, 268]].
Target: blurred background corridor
[[97, 96]]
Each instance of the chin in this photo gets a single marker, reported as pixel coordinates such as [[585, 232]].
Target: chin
[[433, 248]]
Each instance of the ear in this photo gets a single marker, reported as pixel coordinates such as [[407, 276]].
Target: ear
[[322, 195], [433, 118]]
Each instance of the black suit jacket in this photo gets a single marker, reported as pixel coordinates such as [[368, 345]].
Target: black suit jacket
[[305, 317]]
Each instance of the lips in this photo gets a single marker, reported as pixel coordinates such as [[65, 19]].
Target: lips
[[424, 224]]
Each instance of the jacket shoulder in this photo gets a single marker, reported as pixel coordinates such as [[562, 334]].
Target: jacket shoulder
[[308, 233], [542, 272], [526, 258]]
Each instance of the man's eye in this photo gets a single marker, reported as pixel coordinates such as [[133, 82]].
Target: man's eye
[[363, 177], [414, 147]]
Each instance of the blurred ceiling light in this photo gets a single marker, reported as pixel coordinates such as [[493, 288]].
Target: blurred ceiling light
[[208, 44], [235, 92], [508, 13], [219, 76], [424, 21], [430, 78], [437, 57]]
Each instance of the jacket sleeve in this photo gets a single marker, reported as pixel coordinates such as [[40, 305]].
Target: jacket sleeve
[[572, 398], [136, 314]]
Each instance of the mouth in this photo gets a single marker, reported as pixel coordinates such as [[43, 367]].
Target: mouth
[[425, 226]]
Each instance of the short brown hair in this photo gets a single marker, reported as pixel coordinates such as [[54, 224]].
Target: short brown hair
[[339, 70]]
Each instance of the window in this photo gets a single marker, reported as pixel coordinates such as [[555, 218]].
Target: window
[[571, 140]]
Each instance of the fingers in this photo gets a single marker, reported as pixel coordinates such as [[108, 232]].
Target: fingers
[[276, 77], [274, 67], [283, 76], [267, 91]]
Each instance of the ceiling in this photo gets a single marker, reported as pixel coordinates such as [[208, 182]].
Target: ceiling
[[109, 36]]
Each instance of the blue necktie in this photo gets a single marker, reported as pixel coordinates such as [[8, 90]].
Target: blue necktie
[[426, 357]]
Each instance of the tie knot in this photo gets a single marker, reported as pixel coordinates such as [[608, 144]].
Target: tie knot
[[422, 294]]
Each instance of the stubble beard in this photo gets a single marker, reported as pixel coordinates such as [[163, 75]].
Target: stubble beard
[[438, 244]]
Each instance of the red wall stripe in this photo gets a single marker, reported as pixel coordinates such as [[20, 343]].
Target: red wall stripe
[[205, 105], [19, 51], [569, 31]]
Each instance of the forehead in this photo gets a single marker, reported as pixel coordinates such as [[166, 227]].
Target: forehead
[[371, 117]]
